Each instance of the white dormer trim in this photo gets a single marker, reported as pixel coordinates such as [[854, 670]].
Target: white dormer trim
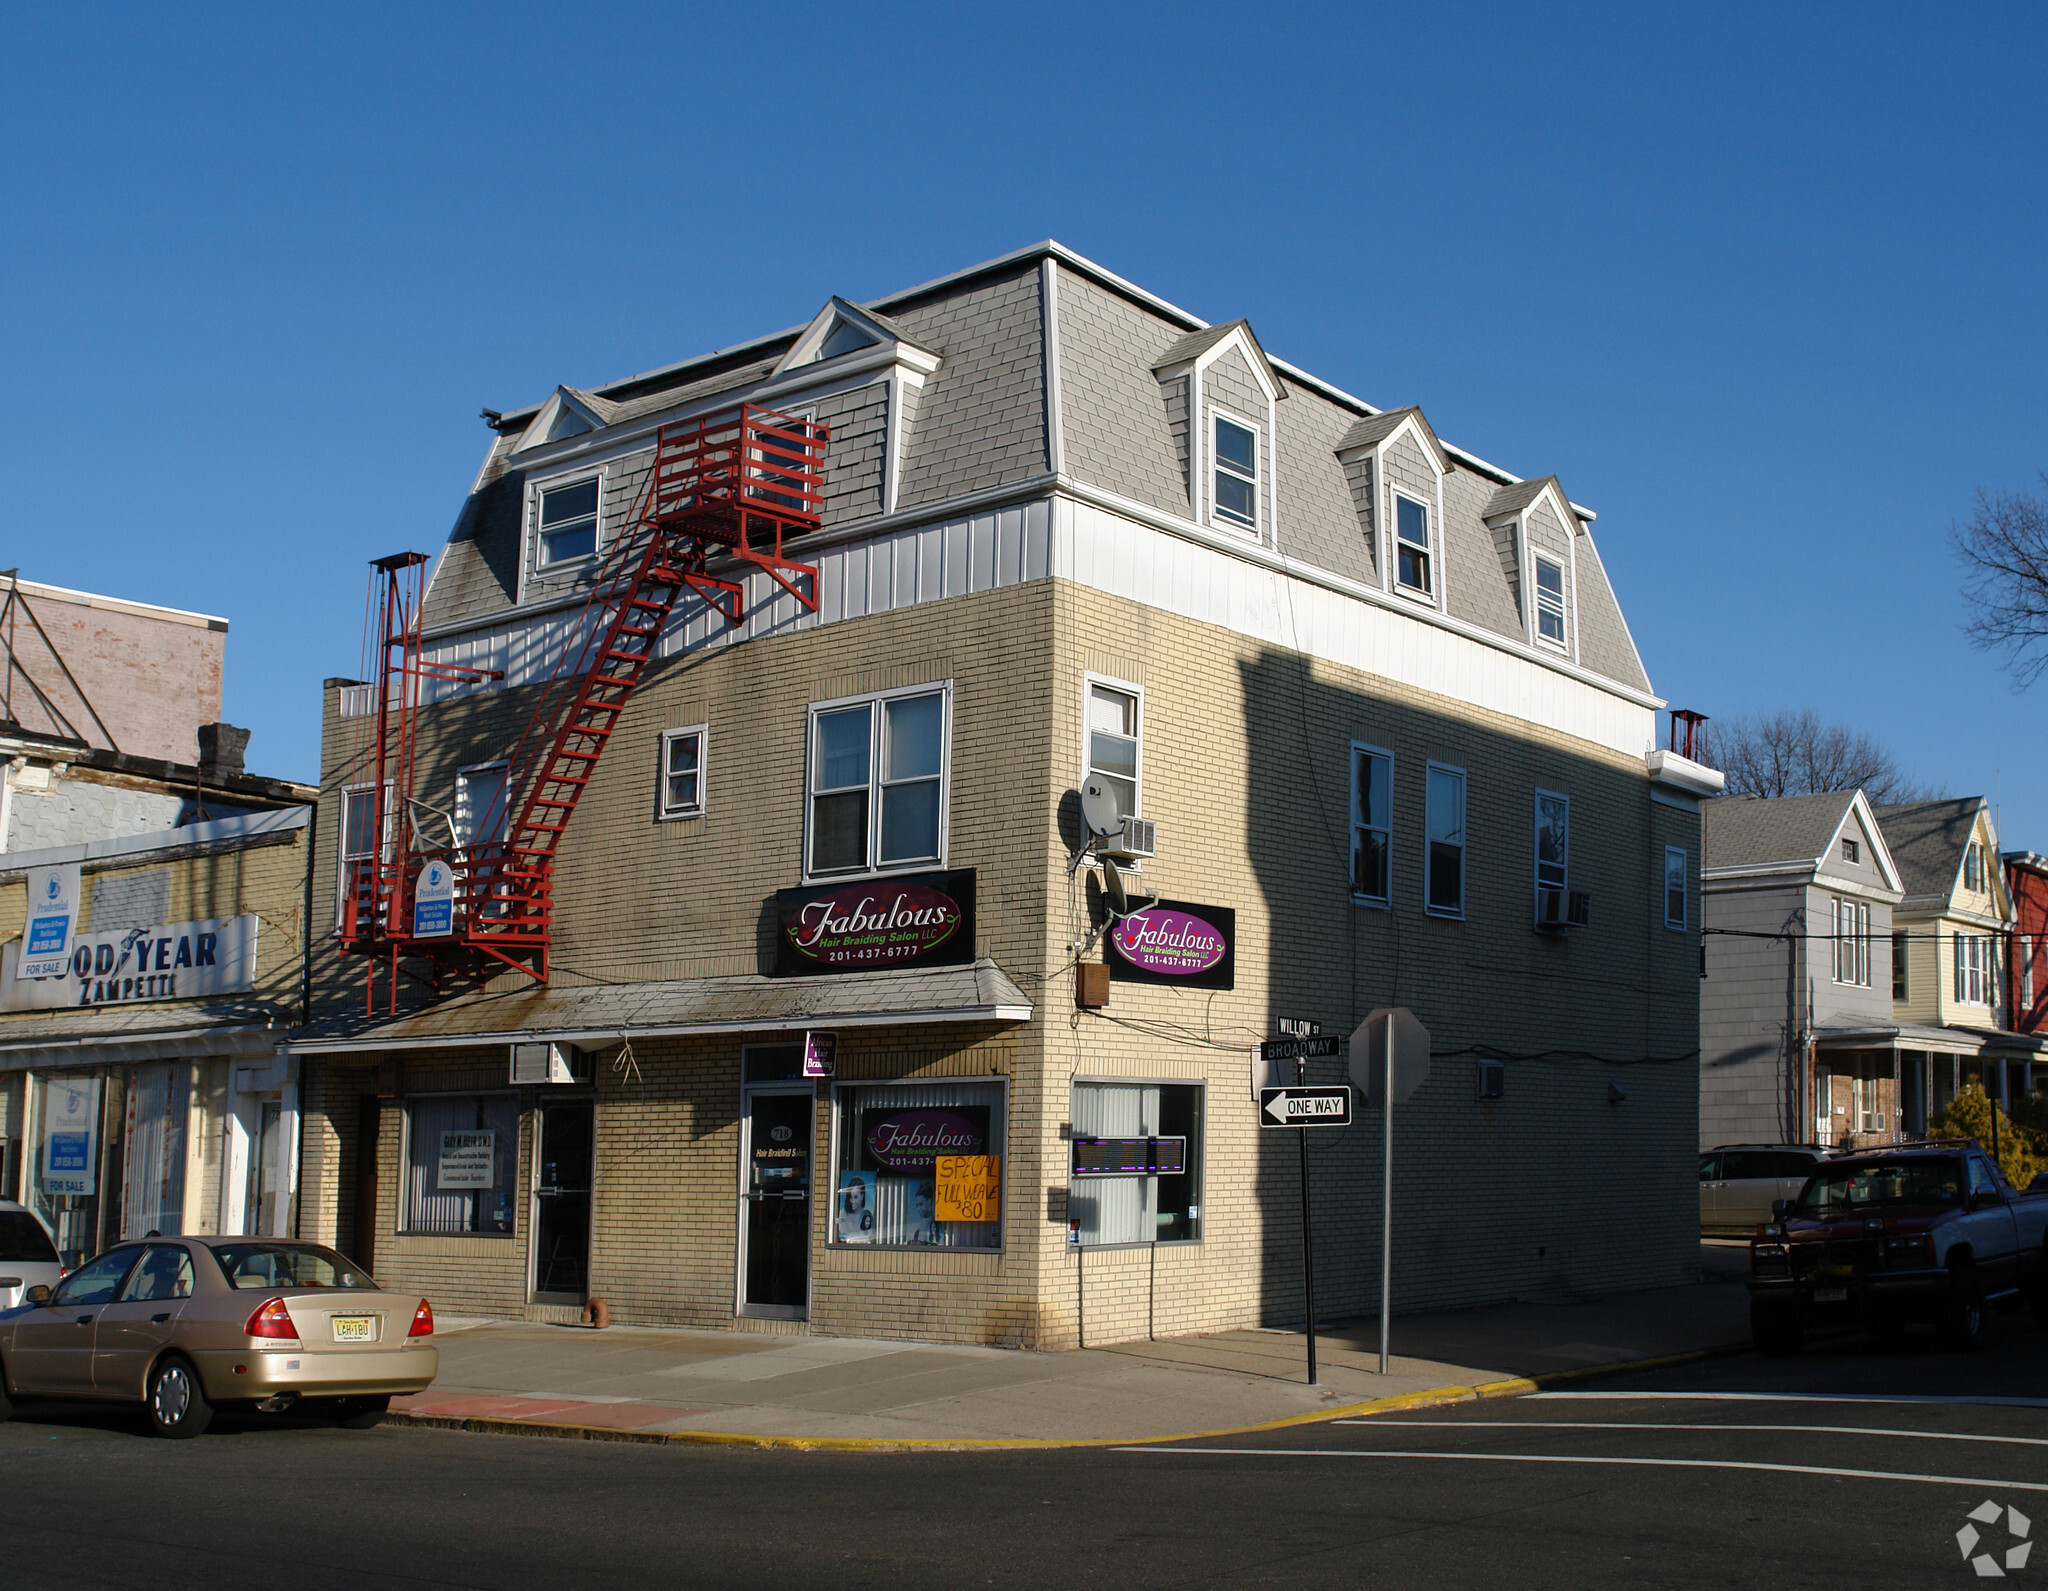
[[564, 406], [1202, 437], [837, 311]]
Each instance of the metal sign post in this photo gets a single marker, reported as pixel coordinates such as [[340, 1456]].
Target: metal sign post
[[1387, 1203], [1389, 1060], [1301, 1108]]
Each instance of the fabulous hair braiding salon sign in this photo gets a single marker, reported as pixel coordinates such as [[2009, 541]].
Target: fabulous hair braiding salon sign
[[1171, 941], [917, 920]]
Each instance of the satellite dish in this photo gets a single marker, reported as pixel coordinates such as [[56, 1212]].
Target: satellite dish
[[1113, 889], [1098, 810]]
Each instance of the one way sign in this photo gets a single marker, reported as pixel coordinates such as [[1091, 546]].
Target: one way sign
[[1305, 1107]]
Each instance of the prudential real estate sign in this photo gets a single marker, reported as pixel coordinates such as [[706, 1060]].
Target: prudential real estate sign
[[52, 913]]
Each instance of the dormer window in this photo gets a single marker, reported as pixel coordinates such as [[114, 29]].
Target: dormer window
[[1973, 868], [568, 521], [1237, 473], [1549, 600], [1412, 549]]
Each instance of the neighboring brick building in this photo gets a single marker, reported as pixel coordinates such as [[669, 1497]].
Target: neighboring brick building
[[2026, 885], [1375, 693]]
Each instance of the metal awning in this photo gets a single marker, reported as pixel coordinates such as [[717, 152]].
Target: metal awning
[[125, 1035], [748, 1003]]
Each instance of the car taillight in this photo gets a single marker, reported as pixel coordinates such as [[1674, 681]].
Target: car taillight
[[271, 1319], [422, 1320]]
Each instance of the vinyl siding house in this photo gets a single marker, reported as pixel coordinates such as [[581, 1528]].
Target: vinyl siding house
[[1374, 693], [1795, 1007]]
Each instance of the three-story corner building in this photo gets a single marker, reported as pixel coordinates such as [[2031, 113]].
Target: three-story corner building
[[845, 1026]]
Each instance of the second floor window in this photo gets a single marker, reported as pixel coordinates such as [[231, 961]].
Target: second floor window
[[1113, 744], [1852, 942], [1412, 548], [1899, 985], [1237, 473], [568, 521], [1549, 600], [682, 773], [1675, 874], [877, 783], [1372, 823], [482, 811], [1444, 886], [1973, 969], [1553, 854]]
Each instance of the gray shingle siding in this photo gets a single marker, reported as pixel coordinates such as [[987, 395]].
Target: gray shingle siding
[[1324, 507], [479, 569], [1113, 416], [1175, 389], [1505, 549], [983, 420], [1475, 587], [854, 459], [1604, 646]]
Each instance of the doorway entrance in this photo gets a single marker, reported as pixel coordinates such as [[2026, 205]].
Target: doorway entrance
[[775, 1202], [561, 1201]]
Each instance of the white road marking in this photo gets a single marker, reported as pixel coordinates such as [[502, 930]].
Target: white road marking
[[1572, 1458], [1655, 1425], [1789, 1397]]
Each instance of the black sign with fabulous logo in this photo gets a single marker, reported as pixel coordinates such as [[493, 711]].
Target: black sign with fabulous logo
[[1171, 941], [917, 920]]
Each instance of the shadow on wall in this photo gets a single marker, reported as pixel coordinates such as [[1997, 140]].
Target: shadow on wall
[[1556, 1188]]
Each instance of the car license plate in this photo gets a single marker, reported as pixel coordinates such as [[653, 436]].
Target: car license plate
[[352, 1328], [1831, 1295]]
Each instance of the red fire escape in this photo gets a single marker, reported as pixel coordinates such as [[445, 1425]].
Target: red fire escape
[[731, 484]]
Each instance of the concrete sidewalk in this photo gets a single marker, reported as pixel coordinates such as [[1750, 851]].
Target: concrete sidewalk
[[645, 1383]]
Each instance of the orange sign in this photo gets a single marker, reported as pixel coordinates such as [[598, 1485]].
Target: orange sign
[[968, 1187]]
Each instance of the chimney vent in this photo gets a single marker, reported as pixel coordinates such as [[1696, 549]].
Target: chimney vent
[[220, 750]]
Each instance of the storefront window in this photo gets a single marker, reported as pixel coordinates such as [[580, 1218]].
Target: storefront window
[[1138, 1209], [153, 1179], [63, 1179], [913, 1159], [462, 1154]]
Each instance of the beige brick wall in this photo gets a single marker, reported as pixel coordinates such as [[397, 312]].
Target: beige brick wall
[[1553, 1189]]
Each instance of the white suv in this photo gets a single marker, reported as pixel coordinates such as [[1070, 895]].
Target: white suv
[[27, 1256], [1739, 1181]]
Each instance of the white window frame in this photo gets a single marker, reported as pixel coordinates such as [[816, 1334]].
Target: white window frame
[[1137, 692], [343, 855], [1361, 748], [1973, 868], [455, 816], [539, 563], [1563, 886], [663, 811], [1394, 544], [1544, 603], [1684, 888], [944, 691], [1851, 919], [1216, 516], [1973, 969], [1464, 845]]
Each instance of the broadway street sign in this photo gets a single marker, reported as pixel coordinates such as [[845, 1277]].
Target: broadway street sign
[[1311, 1049], [1305, 1107]]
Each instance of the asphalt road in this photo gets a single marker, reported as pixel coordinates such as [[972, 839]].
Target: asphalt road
[[1739, 1472]]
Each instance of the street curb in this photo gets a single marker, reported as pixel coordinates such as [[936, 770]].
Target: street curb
[[1434, 1397]]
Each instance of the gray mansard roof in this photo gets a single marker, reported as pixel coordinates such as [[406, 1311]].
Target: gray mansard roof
[[980, 423]]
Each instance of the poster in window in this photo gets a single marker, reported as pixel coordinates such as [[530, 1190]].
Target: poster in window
[[71, 1119], [915, 920], [1175, 942], [903, 1142], [468, 1160], [854, 1208]]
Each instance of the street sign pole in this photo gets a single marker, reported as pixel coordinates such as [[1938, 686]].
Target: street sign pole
[[1308, 1248], [1387, 1203]]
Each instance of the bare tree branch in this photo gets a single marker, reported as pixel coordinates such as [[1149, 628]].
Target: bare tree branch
[[2004, 554], [1794, 753]]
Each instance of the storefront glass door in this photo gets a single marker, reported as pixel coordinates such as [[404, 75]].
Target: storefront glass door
[[775, 1203], [561, 1216]]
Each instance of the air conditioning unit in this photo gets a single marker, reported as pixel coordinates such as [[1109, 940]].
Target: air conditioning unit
[[1550, 908], [549, 1063], [1134, 841], [1580, 912]]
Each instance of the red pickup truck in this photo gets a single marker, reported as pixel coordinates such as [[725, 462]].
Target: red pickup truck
[[1922, 1232]]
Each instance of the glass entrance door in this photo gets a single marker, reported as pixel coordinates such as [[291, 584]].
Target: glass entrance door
[[775, 1204], [561, 1218]]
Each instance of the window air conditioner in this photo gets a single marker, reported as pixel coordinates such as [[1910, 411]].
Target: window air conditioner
[[1135, 840], [1580, 913], [548, 1063], [1550, 908]]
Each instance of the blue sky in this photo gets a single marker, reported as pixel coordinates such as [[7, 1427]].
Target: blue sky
[[1763, 285]]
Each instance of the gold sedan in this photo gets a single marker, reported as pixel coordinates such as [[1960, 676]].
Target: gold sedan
[[182, 1325]]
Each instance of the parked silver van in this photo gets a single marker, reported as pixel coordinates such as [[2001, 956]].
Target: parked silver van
[[1738, 1182]]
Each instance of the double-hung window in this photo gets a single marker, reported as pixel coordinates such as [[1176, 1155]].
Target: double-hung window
[[1852, 942], [1675, 878], [1973, 867], [681, 792], [358, 847], [1973, 969], [1412, 545], [1236, 496], [1113, 739], [1372, 823], [1444, 860], [1549, 600], [568, 521], [1553, 854], [878, 778], [1899, 983], [482, 809]]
